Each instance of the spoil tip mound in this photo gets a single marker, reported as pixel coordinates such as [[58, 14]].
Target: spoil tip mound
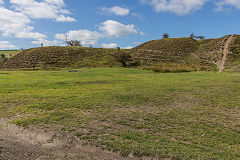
[[60, 57], [165, 50]]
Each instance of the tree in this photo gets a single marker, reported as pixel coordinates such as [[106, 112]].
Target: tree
[[192, 36], [3, 57], [122, 57], [200, 37], [165, 35], [74, 43], [118, 49]]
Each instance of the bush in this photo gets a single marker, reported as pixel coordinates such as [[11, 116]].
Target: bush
[[3, 57], [75, 43], [174, 68], [122, 57]]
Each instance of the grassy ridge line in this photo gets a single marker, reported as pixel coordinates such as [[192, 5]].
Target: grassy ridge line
[[185, 53], [62, 57], [177, 116], [10, 53]]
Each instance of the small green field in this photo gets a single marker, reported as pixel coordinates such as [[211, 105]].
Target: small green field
[[10, 54], [191, 115]]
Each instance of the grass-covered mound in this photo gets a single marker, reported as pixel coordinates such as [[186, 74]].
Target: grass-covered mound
[[211, 50], [168, 54], [165, 50], [61, 57], [233, 59], [1, 62]]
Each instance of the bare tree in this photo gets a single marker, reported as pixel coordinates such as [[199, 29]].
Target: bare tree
[[74, 43]]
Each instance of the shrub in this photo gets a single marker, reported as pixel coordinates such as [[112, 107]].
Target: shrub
[[122, 57], [3, 57], [174, 68], [75, 43]]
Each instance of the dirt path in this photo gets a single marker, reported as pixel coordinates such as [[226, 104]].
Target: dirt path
[[17, 143], [221, 64]]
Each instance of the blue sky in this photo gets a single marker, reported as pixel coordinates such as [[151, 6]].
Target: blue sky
[[112, 23]]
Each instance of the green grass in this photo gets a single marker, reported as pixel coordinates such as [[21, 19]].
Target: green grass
[[174, 68], [10, 54], [191, 115]]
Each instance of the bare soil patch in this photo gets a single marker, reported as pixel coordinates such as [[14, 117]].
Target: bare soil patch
[[17, 143]]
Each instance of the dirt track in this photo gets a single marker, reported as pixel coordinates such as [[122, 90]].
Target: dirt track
[[17, 143], [221, 65]]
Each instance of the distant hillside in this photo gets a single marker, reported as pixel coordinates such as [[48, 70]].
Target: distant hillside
[[61, 57], [165, 50], [210, 54]]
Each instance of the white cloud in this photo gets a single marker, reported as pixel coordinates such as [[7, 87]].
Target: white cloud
[[110, 45], [45, 9], [17, 24], [137, 42], [137, 15], [142, 33], [85, 36], [128, 47], [179, 7], [108, 28], [47, 42], [6, 45], [116, 10], [62, 18], [114, 28], [223, 3]]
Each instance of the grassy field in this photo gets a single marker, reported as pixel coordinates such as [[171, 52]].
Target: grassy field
[[175, 115], [10, 54]]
